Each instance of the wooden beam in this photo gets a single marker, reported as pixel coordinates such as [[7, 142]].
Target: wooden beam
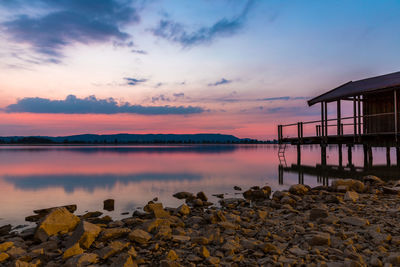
[[326, 119], [396, 115], [359, 114], [322, 119], [355, 115], [339, 115]]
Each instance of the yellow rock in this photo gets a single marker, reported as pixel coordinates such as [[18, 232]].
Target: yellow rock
[[184, 209], [132, 252], [84, 234], [72, 251], [5, 246], [59, 220], [3, 256], [139, 236], [157, 209], [270, 248], [172, 255], [262, 214], [204, 252]]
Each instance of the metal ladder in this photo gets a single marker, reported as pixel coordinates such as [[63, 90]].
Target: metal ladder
[[281, 154]]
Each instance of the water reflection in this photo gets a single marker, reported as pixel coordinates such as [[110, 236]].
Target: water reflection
[[33, 177]]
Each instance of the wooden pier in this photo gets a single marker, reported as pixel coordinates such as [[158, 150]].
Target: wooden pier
[[374, 122]]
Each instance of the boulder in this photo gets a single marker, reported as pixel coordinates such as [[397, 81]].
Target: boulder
[[318, 213], [157, 210], [172, 256], [58, 220], [237, 188], [351, 196], [5, 229], [72, 251], [356, 221], [85, 233], [184, 209], [82, 260], [258, 194], [372, 179], [298, 189], [139, 236], [348, 185], [112, 249], [113, 233], [201, 195], [123, 260], [5, 246], [183, 195], [3, 257], [320, 239], [70, 208], [108, 204]]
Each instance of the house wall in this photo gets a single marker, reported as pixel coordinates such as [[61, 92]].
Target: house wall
[[378, 103]]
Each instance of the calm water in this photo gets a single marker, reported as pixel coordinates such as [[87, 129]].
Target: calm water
[[33, 177]]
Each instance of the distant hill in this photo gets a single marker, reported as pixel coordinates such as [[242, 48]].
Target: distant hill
[[130, 139]]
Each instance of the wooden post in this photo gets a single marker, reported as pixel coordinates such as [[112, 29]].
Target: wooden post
[[388, 156], [340, 155], [370, 156], [359, 114], [398, 156], [355, 116], [349, 155], [365, 150], [280, 168], [338, 109], [323, 154], [322, 119], [298, 154], [396, 115], [326, 118]]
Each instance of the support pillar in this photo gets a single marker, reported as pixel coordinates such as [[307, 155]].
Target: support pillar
[[398, 156], [323, 154], [340, 156], [365, 150], [298, 155], [280, 171], [350, 155], [370, 156], [388, 163], [339, 116]]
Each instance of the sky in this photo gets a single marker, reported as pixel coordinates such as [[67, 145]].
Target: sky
[[204, 66]]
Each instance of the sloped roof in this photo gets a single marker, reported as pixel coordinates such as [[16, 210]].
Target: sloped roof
[[359, 87]]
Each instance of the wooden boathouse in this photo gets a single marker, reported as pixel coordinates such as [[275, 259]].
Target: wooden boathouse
[[374, 121]]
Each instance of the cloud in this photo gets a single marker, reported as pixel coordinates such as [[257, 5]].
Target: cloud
[[282, 98], [177, 95], [177, 32], [220, 82], [138, 51], [161, 97], [134, 81], [66, 22], [91, 105]]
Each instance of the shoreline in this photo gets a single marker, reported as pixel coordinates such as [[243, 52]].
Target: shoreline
[[350, 223]]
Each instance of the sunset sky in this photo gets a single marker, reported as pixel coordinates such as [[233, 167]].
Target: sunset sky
[[204, 66]]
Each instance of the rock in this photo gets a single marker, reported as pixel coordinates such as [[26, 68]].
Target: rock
[[298, 251], [356, 221], [202, 196], [204, 252], [123, 260], [113, 233], [218, 195], [139, 236], [237, 188], [5, 246], [72, 251], [58, 220], [390, 190], [172, 256], [213, 260], [167, 263], [112, 249], [348, 184], [70, 208], [16, 252], [320, 239], [394, 258], [258, 194], [351, 196], [318, 213], [108, 204], [82, 260], [184, 209], [84, 234], [372, 179], [3, 257], [157, 210], [271, 248], [5, 229], [92, 214], [298, 189], [180, 238], [183, 195]]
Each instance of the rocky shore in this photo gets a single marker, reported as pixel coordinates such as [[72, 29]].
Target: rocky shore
[[350, 223]]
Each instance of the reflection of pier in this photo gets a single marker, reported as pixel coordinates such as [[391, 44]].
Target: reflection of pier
[[324, 172]]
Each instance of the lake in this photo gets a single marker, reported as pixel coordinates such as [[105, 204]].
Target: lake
[[34, 177]]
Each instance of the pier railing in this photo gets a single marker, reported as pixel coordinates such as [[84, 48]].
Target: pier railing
[[360, 125]]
